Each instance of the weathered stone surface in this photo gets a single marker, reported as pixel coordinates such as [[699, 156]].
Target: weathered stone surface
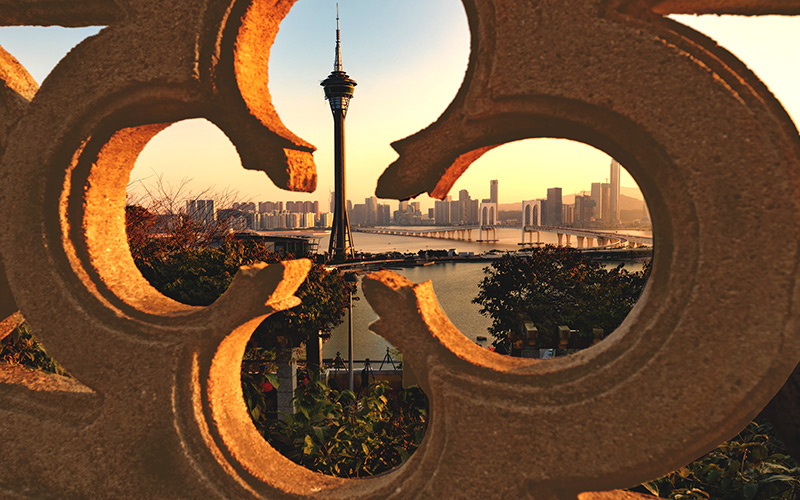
[[59, 12], [16, 91], [155, 408], [742, 7], [11, 322]]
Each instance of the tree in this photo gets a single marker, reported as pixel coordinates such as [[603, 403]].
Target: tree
[[199, 273], [554, 286], [195, 266]]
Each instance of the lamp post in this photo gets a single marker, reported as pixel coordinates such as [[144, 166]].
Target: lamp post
[[350, 277]]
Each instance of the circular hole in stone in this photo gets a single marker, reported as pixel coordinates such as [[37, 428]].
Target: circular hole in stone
[[185, 254], [313, 405], [189, 203], [557, 271], [408, 59]]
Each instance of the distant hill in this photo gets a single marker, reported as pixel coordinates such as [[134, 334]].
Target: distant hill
[[633, 192]]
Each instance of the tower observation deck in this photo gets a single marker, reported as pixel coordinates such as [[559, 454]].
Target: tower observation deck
[[339, 88]]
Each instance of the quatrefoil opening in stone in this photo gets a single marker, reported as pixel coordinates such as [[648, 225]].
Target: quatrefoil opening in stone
[[689, 120]]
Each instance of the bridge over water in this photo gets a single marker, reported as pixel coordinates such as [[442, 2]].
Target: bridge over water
[[460, 233], [585, 237]]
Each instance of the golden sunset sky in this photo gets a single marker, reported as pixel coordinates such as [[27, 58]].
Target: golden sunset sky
[[409, 60]]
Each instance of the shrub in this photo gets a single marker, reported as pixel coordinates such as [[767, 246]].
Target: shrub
[[751, 466], [338, 434]]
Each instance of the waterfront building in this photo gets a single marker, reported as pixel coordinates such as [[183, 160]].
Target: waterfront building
[[493, 194], [606, 203]]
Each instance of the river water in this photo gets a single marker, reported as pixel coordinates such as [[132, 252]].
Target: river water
[[455, 285]]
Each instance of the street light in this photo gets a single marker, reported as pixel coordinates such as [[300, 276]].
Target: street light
[[350, 277]]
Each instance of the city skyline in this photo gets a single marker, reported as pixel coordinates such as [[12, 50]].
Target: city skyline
[[388, 51], [600, 209]]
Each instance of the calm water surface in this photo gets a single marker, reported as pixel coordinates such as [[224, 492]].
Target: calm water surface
[[455, 285]]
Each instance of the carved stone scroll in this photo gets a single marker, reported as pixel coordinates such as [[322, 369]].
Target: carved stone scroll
[[155, 408]]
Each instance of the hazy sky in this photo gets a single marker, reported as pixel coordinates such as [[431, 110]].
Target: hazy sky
[[409, 60]]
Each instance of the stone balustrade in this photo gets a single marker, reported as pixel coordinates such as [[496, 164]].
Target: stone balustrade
[[155, 408]]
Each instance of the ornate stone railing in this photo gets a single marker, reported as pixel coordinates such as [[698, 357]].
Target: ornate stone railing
[[155, 408]]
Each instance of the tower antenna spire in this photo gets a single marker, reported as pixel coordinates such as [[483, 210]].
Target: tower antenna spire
[[337, 62]]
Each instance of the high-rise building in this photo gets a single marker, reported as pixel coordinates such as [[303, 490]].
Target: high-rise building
[[493, 194], [339, 88], [552, 209], [384, 215], [614, 194], [371, 210], [567, 214], [358, 215], [325, 219], [605, 189], [201, 211], [441, 212], [584, 211], [597, 198]]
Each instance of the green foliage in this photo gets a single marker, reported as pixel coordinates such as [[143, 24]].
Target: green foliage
[[751, 466], [325, 296], [259, 389], [198, 276], [338, 434], [555, 286], [20, 348]]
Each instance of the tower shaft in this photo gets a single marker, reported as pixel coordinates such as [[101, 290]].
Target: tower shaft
[[341, 241]]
